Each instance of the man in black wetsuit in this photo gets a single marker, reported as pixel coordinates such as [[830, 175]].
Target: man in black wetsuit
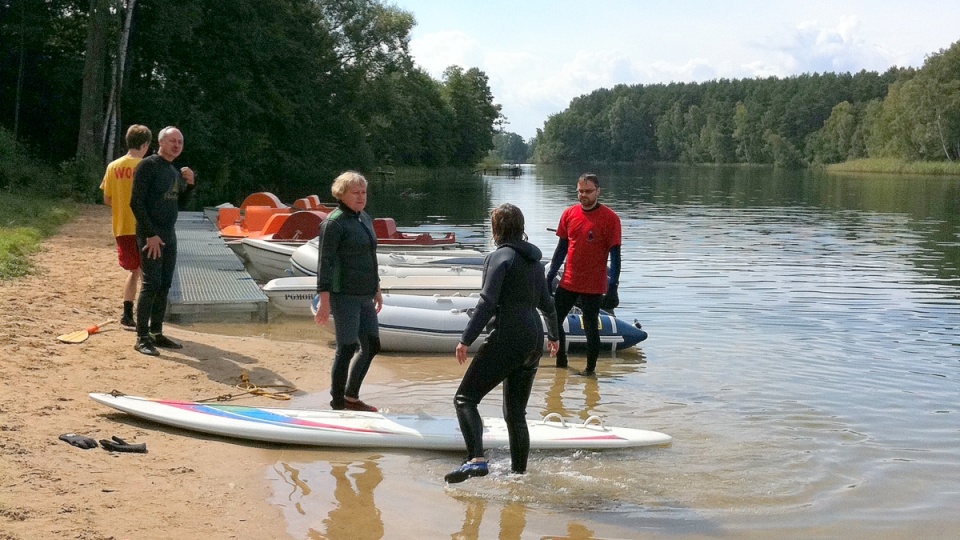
[[159, 189]]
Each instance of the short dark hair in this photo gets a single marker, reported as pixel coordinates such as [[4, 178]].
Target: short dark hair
[[591, 177], [507, 223]]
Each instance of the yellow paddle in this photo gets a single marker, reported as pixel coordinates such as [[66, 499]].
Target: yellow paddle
[[81, 335]]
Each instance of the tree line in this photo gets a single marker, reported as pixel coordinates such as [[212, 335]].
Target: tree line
[[904, 113], [277, 95]]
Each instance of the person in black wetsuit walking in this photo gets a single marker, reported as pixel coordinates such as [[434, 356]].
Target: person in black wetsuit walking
[[514, 287], [159, 189]]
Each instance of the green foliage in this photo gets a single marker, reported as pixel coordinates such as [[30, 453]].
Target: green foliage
[[918, 120], [747, 134], [811, 118], [77, 179], [840, 138], [474, 113], [281, 95], [509, 147], [670, 133], [874, 130], [15, 169], [490, 161], [277, 95], [27, 220], [410, 122], [42, 102], [19, 173], [785, 154]]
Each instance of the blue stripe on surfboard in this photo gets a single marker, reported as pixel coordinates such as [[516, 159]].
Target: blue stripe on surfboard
[[253, 414]]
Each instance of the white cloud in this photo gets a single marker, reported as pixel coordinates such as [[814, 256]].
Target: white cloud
[[811, 47], [437, 51], [535, 71]]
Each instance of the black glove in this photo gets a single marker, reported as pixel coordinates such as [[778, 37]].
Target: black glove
[[120, 445], [79, 441], [611, 300], [551, 275]]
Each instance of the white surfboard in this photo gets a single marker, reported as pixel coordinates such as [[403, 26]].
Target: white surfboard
[[369, 430]]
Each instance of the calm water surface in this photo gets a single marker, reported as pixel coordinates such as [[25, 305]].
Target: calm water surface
[[804, 353]]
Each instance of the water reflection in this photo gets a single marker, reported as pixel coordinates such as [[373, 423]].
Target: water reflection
[[575, 531], [336, 496], [580, 407], [475, 508], [298, 488], [354, 494], [512, 519], [354, 483], [572, 395]]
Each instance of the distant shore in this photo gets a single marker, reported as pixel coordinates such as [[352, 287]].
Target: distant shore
[[896, 166]]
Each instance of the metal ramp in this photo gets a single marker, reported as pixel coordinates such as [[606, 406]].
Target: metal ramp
[[209, 280]]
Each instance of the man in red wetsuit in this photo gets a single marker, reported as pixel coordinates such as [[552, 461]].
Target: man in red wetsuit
[[588, 233]]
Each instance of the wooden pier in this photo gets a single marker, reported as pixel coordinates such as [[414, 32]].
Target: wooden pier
[[506, 169], [209, 280]]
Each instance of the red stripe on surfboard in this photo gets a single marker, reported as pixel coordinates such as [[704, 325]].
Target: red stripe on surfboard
[[283, 420]]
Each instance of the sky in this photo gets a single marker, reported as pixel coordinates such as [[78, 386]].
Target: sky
[[539, 54]]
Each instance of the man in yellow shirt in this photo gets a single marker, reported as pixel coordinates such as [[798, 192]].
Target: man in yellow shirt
[[117, 185]]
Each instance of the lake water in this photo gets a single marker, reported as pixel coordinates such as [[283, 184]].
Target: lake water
[[804, 354]]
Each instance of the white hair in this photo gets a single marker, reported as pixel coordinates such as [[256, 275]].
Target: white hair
[[164, 131]]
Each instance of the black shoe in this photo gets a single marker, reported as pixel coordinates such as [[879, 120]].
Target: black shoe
[[145, 346], [586, 373], [562, 363], [467, 470], [127, 322], [161, 340]]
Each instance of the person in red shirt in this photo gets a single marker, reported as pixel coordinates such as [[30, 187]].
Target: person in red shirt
[[589, 232]]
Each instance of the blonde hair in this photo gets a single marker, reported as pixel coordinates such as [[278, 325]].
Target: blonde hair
[[344, 181]]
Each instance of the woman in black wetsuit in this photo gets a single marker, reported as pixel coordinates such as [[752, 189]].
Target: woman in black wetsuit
[[348, 283], [514, 287]]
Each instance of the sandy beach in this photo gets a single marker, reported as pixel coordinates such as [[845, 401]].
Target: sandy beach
[[183, 487], [190, 485]]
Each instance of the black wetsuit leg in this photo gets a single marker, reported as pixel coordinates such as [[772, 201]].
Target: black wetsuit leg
[[564, 301], [356, 321], [516, 394], [157, 277], [338, 373], [515, 339], [590, 304], [369, 336], [483, 375]]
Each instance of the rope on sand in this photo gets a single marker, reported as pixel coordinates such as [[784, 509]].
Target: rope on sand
[[272, 391]]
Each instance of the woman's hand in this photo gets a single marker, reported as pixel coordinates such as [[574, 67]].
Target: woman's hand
[[461, 353], [323, 309], [553, 347]]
